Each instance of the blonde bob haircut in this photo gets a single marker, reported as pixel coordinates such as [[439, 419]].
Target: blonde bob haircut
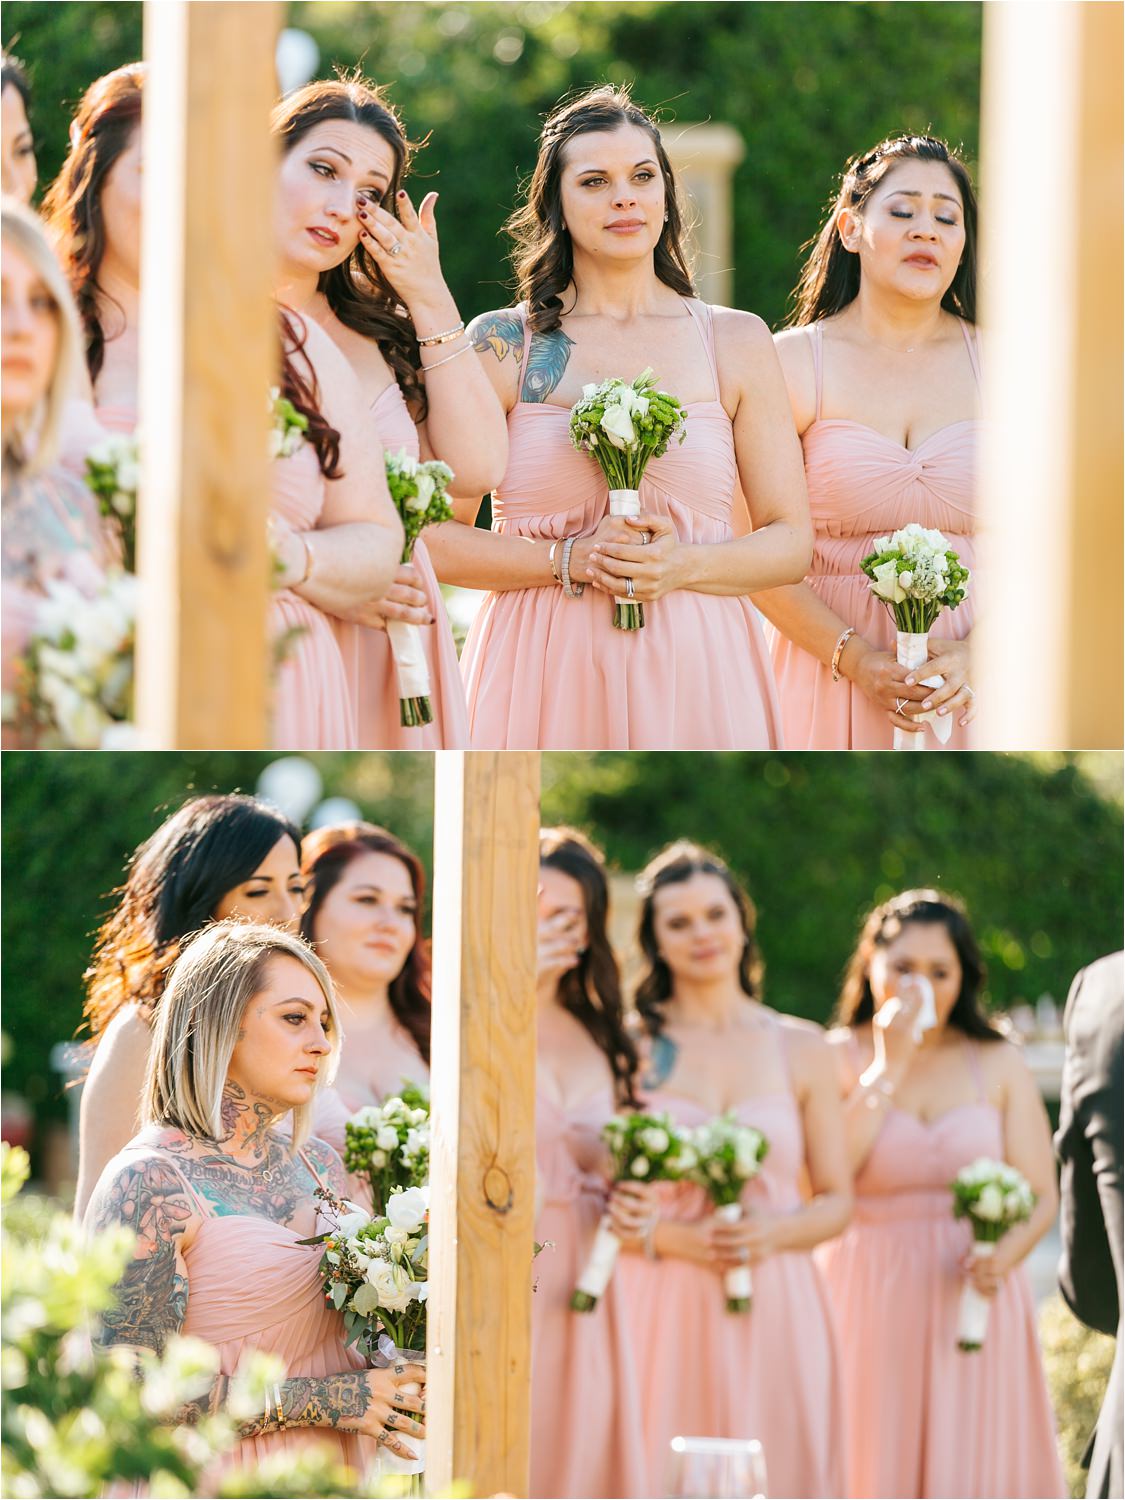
[[200, 1015], [36, 441]]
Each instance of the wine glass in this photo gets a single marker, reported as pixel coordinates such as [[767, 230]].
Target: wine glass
[[717, 1469]]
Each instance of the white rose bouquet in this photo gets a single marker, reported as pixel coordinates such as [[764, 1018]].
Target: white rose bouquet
[[419, 491], [288, 426], [113, 472], [645, 1148], [76, 676], [623, 427], [729, 1156], [389, 1144], [917, 574], [993, 1197]]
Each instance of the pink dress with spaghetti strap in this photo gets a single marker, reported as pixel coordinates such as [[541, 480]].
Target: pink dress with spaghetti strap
[[547, 672], [924, 1418], [367, 655], [586, 1421], [863, 485], [773, 1373]]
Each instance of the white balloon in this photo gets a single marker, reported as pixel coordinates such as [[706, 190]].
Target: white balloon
[[296, 59], [292, 784], [335, 810]]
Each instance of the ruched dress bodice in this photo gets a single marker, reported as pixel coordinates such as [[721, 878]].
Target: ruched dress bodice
[[544, 671], [864, 485]]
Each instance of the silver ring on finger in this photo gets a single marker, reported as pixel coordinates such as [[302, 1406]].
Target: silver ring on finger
[[969, 690], [630, 591], [900, 705], [395, 248], [744, 1255]]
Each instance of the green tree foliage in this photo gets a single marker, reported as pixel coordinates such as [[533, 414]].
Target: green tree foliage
[[1078, 1361], [1032, 845], [806, 84]]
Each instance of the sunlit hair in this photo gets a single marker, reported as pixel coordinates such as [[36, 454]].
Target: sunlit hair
[[101, 131], [327, 854], [543, 254], [830, 276], [211, 983], [175, 881], [883, 925], [674, 866], [357, 290], [591, 991], [35, 441]]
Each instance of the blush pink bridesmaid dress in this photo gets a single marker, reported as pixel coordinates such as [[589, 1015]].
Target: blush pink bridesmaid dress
[[924, 1419], [390, 1061], [773, 1373], [586, 1426], [367, 655], [546, 672], [863, 485]]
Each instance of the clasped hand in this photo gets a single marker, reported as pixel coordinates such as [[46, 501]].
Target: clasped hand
[[899, 689], [644, 548], [405, 600], [633, 1211]]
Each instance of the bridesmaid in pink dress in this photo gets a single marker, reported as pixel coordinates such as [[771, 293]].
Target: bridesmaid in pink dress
[[220, 1202], [606, 292], [883, 370], [364, 892], [926, 1419], [773, 1374], [586, 1435], [358, 260]]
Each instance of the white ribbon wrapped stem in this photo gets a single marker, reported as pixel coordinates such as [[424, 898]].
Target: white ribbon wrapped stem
[[912, 651], [738, 1283], [410, 659], [972, 1316], [600, 1262], [624, 503]]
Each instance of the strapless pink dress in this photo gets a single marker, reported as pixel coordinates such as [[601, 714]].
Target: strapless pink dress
[[864, 485], [925, 1419], [586, 1421], [367, 655], [312, 708], [774, 1373], [546, 672]]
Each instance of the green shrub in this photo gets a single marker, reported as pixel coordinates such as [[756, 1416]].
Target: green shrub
[[1078, 1362]]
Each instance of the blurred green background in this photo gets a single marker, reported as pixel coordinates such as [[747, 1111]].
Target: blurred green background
[[806, 85], [1033, 844]]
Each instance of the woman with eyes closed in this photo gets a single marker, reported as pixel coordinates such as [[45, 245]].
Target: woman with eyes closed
[[882, 363], [585, 1404], [364, 893], [358, 260], [773, 1374], [926, 1419], [220, 1201], [605, 291], [217, 857]]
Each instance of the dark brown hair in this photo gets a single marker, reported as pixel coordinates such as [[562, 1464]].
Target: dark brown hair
[[327, 854], [591, 991], [299, 385], [543, 256], [829, 278], [12, 74], [673, 866], [356, 290], [100, 132], [173, 884], [882, 925]]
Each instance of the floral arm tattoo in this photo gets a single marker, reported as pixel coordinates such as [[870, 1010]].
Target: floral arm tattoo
[[502, 332], [149, 1198]]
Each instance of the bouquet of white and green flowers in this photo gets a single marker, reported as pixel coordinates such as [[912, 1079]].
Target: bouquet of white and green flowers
[[76, 676], [645, 1148], [419, 491], [993, 1197], [113, 472], [623, 427], [389, 1144], [917, 574], [288, 426], [729, 1156]]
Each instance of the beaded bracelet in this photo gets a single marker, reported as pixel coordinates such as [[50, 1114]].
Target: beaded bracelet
[[441, 338], [570, 589], [457, 353]]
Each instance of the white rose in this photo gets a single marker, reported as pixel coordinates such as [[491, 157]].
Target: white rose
[[276, 442], [420, 501], [386, 1138], [407, 1209], [589, 390], [655, 1140], [393, 1287], [378, 1160], [353, 1219], [639, 1167], [618, 427], [990, 1205], [366, 1118], [395, 1236], [128, 474], [885, 584]]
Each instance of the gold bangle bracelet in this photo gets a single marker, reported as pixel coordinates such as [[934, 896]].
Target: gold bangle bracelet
[[845, 637], [441, 338]]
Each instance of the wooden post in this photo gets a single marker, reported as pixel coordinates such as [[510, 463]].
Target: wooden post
[[208, 356], [478, 1409], [704, 158], [1049, 645]]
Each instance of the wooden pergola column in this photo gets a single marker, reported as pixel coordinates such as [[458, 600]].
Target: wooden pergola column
[[209, 346], [486, 827]]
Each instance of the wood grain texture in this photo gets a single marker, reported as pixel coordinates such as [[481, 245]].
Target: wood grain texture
[[483, 1102], [209, 352]]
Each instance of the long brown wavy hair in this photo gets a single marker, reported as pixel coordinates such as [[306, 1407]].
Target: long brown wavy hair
[[173, 885], [327, 854], [829, 278], [673, 866], [883, 924], [100, 132], [356, 290], [591, 992], [543, 255]]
